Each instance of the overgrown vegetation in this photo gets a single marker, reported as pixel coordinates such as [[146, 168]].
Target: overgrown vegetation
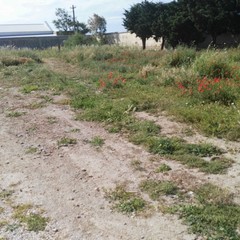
[[215, 216], [198, 88]]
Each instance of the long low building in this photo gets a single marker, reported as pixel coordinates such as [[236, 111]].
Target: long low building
[[29, 36], [23, 30]]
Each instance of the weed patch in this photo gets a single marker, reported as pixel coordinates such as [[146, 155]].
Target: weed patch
[[156, 189], [214, 221], [34, 221], [97, 141], [29, 88], [31, 150], [163, 168], [137, 165], [65, 141], [5, 194], [15, 114], [126, 202], [211, 194]]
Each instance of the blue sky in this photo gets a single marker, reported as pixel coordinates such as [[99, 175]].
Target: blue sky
[[38, 11]]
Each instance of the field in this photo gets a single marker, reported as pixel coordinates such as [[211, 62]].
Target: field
[[109, 142]]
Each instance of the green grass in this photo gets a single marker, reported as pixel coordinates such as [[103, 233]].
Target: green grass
[[214, 221], [65, 141], [97, 141], [1, 210], [216, 216], [15, 114], [158, 90], [124, 201], [137, 165], [156, 189], [5, 194], [114, 82], [29, 88], [163, 168], [135, 204], [211, 194], [34, 221], [31, 150]]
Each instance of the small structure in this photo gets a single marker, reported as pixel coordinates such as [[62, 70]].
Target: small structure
[[29, 36]]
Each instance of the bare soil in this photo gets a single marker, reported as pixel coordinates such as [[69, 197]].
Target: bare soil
[[67, 183]]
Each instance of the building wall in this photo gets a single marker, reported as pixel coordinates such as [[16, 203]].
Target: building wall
[[128, 39], [33, 42]]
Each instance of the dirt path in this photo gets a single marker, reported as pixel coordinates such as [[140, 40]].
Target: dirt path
[[67, 183]]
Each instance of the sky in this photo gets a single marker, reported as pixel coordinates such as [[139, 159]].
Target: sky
[[39, 11]]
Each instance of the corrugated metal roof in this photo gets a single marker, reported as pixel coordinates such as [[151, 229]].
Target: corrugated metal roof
[[10, 30]]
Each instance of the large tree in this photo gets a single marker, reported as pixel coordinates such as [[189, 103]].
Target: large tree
[[65, 22], [139, 20], [213, 17], [172, 23], [97, 25]]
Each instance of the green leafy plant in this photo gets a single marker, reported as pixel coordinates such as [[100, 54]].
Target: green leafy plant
[[124, 201], [34, 221], [65, 141], [181, 56], [213, 65], [29, 88], [135, 204], [5, 194], [97, 141], [163, 168], [15, 114], [31, 150], [156, 189], [212, 194]]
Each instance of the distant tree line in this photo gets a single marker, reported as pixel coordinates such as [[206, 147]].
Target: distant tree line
[[183, 21], [65, 23]]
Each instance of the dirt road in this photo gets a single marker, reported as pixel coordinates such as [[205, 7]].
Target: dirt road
[[66, 184]]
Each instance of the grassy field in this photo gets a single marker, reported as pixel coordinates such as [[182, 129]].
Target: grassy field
[[110, 84]]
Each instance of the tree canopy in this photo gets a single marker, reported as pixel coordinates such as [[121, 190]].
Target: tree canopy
[[97, 25], [213, 16], [183, 21], [139, 20], [65, 22]]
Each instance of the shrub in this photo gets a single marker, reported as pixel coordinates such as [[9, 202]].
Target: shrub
[[79, 39], [155, 189], [163, 146], [181, 56], [213, 65]]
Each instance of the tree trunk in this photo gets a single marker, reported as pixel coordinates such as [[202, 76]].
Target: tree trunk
[[163, 43], [214, 39], [144, 43]]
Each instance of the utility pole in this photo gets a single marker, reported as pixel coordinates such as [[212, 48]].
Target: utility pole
[[74, 20]]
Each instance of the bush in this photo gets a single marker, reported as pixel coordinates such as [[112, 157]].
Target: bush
[[79, 39], [181, 57], [213, 65]]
